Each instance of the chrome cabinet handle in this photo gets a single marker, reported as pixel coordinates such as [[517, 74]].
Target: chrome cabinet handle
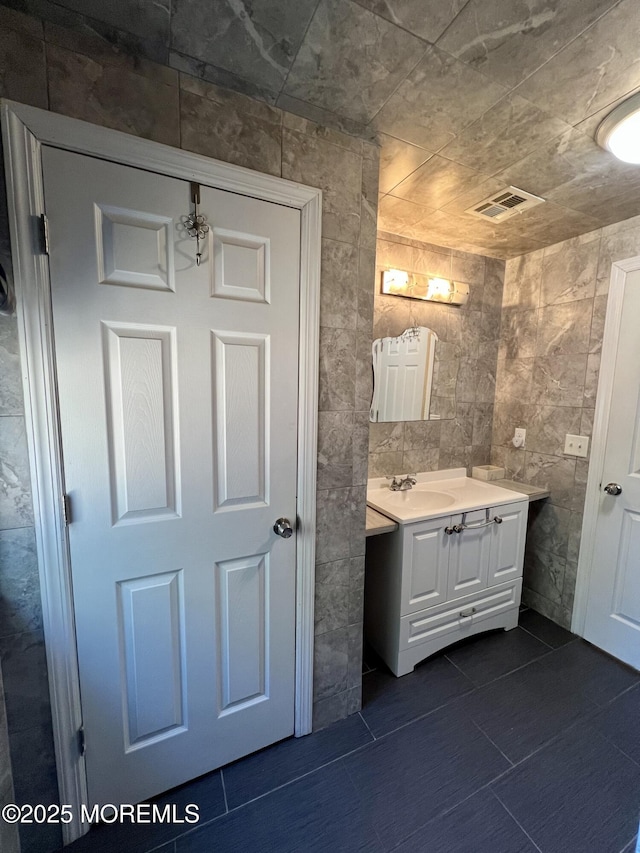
[[283, 528], [468, 613], [495, 520], [613, 489]]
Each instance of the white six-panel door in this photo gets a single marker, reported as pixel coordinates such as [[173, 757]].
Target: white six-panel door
[[177, 391], [613, 610]]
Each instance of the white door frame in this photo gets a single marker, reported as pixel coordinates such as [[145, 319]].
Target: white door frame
[[619, 272], [25, 129]]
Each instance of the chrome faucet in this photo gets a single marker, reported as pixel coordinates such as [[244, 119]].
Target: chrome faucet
[[401, 484]]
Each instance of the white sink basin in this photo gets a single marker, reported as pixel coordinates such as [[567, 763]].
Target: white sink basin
[[419, 499], [437, 493]]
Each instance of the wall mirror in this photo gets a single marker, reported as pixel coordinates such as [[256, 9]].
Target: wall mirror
[[403, 376]]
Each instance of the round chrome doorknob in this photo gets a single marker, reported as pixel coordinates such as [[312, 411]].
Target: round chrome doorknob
[[283, 528], [613, 489]]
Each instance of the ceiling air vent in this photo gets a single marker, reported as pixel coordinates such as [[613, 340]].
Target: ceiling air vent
[[502, 205]]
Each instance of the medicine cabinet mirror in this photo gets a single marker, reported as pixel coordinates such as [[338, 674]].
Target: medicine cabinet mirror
[[403, 376]]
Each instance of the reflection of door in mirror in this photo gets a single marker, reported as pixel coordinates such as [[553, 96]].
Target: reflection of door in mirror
[[402, 375]]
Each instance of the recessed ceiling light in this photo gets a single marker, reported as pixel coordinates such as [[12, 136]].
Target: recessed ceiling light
[[619, 133]]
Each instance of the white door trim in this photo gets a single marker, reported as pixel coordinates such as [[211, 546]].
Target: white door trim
[[619, 272], [25, 129]]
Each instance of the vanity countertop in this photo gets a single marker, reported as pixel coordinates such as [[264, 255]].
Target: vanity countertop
[[379, 523], [535, 493], [436, 494]]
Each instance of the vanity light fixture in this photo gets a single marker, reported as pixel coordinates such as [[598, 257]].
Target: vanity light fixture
[[619, 132], [426, 287]]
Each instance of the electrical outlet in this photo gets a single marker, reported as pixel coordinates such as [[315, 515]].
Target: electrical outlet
[[519, 437], [576, 445]]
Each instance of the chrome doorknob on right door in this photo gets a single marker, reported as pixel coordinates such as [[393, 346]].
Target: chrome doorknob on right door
[[613, 489], [283, 528]]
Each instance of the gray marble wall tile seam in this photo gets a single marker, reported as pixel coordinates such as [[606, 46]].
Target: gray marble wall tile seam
[[371, 122], [54, 34], [284, 82], [451, 23], [184, 63], [577, 34], [397, 23], [485, 175], [357, 131], [388, 237], [76, 21], [562, 47]]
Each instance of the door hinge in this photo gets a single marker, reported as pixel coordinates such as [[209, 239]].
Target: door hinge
[[44, 234], [66, 509], [82, 746]]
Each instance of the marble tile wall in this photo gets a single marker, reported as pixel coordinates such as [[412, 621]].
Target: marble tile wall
[[81, 73], [9, 839], [466, 358], [553, 314]]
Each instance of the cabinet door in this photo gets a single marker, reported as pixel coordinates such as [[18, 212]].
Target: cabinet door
[[425, 561], [469, 555], [507, 542]]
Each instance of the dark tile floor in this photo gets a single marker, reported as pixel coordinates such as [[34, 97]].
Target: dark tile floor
[[512, 742]]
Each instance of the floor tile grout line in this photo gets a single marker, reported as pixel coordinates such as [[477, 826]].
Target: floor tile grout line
[[364, 746], [583, 717], [224, 791], [359, 798], [447, 811], [385, 735], [454, 664], [620, 695], [280, 787], [367, 725], [491, 741], [515, 820], [468, 692], [626, 848], [295, 779], [540, 640], [603, 708], [619, 749], [504, 674], [516, 764]]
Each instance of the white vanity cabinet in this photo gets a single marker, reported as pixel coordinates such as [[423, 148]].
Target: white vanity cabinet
[[431, 583]]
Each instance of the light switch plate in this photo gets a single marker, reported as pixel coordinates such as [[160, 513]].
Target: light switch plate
[[576, 445]]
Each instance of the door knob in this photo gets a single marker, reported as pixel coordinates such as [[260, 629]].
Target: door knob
[[613, 489], [283, 528]]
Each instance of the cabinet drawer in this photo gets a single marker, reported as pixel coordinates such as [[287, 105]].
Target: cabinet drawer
[[454, 615]]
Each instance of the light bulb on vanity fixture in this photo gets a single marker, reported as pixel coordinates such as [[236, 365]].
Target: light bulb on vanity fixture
[[426, 287], [619, 132]]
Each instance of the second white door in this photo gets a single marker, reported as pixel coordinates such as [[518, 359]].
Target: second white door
[[178, 411], [613, 610]]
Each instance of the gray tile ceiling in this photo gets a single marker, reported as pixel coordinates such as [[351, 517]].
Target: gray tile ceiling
[[465, 96]]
